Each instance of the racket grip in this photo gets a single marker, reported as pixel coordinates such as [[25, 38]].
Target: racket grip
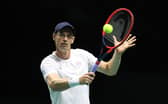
[[95, 68]]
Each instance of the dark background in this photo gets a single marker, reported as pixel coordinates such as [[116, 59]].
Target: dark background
[[143, 73]]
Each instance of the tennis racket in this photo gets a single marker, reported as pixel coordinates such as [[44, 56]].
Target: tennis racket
[[122, 20]]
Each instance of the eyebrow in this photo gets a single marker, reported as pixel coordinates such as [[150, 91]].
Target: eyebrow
[[66, 31], [69, 32]]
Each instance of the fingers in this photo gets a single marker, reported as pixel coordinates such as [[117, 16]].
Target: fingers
[[114, 37], [91, 74], [128, 37], [131, 37], [131, 45], [87, 78], [131, 40]]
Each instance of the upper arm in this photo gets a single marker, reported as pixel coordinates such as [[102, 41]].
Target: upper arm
[[49, 70], [57, 83], [51, 77]]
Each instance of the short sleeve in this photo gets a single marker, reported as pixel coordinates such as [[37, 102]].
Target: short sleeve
[[91, 59], [48, 66]]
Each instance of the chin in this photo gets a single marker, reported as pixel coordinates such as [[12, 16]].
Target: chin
[[64, 49]]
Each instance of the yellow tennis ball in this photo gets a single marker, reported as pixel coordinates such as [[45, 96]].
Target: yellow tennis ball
[[108, 28]]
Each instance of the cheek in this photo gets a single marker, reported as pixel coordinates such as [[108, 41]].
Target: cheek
[[56, 41]]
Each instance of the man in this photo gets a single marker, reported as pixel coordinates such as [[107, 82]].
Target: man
[[67, 71]]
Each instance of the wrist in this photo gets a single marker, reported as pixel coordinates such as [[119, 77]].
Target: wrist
[[73, 82], [118, 54]]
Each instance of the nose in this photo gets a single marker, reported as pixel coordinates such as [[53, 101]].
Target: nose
[[65, 37]]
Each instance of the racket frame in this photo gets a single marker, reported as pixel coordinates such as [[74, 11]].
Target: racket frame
[[111, 48]]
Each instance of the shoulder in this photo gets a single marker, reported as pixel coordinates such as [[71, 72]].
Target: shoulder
[[48, 60], [80, 51]]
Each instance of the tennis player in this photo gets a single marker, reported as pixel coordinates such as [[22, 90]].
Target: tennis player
[[67, 71]]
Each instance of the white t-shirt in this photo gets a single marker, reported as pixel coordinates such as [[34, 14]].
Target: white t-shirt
[[79, 63]]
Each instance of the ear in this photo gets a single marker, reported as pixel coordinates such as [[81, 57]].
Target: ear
[[73, 40], [53, 36]]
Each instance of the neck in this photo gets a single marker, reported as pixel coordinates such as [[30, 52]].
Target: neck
[[63, 55]]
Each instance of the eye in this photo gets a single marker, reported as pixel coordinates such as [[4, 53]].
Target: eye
[[62, 35], [66, 34], [69, 35]]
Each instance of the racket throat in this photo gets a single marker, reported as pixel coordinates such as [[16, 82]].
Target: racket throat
[[98, 62], [110, 50]]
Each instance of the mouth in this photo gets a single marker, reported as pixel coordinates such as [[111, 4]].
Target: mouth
[[64, 44]]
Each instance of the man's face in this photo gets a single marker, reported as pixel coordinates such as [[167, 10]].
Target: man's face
[[63, 40]]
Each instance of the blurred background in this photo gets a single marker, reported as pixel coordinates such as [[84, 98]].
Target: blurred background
[[143, 73]]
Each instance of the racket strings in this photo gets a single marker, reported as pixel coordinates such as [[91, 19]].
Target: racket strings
[[103, 53], [109, 40], [121, 24], [109, 37]]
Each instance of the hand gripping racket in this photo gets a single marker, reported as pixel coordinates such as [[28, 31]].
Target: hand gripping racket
[[122, 20]]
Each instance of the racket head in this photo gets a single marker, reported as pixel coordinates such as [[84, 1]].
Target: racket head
[[122, 20]]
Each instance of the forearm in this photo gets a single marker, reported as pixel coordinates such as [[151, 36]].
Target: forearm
[[110, 67], [63, 84], [114, 63], [59, 84]]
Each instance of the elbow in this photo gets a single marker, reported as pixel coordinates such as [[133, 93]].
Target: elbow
[[111, 74], [55, 87]]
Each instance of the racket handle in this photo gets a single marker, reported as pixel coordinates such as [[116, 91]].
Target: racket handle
[[96, 65], [94, 68]]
